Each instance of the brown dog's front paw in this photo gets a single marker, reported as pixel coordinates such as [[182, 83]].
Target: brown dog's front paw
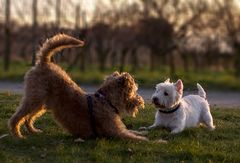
[[144, 133], [142, 138]]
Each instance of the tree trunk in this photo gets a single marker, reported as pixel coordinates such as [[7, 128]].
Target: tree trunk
[[152, 61], [80, 54], [134, 58], [102, 57], [123, 60], [103, 60], [113, 58], [77, 18], [7, 50], [185, 62], [197, 64], [237, 63], [34, 28], [58, 14], [75, 61], [172, 65], [56, 58], [82, 61]]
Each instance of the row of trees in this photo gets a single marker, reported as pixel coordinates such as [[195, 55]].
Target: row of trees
[[157, 33]]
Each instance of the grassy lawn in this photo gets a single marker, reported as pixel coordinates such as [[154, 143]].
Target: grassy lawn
[[208, 79], [54, 145]]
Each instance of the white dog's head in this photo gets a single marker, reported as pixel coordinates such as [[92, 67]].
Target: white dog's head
[[167, 94]]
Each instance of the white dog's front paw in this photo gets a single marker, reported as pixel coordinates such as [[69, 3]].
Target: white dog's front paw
[[211, 128], [176, 131]]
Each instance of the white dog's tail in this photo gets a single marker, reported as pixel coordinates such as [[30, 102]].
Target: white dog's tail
[[201, 91], [55, 44]]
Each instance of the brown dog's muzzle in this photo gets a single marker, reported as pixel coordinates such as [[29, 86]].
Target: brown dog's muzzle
[[134, 104], [138, 101]]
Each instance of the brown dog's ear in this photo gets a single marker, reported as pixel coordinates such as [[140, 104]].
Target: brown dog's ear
[[126, 79], [123, 78], [112, 76], [115, 74]]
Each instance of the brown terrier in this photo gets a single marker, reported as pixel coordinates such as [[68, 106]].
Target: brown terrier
[[48, 87]]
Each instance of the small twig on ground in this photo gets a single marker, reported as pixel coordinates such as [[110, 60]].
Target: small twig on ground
[[4, 135], [79, 140]]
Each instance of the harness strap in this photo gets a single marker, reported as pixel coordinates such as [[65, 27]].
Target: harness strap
[[92, 118], [100, 94]]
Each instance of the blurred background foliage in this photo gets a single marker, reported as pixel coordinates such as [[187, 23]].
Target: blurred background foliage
[[198, 41]]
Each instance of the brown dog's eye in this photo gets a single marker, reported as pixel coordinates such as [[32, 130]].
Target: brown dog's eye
[[165, 94]]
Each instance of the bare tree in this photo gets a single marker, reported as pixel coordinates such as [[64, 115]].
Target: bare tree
[[34, 28], [230, 15], [172, 21], [221, 20], [101, 36], [80, 56], [157, 36], [58, 13], [7, 50]]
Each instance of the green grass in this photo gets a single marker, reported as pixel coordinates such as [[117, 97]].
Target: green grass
[[209, 79], [54, 145]]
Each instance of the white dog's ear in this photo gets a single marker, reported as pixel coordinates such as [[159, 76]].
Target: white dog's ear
[[167, 81], [179, 86]]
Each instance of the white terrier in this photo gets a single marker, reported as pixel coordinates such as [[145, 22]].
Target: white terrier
[[178, 113]]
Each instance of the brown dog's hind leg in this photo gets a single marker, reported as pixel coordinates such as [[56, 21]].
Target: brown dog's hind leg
[[29, 123], [26, 108]]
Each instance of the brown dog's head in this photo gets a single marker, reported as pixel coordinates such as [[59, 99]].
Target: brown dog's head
[[121, 91]]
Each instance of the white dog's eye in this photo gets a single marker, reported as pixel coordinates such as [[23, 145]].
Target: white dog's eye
[[165, 94]]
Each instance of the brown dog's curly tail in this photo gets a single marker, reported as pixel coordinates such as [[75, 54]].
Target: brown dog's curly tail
[[55, 44]]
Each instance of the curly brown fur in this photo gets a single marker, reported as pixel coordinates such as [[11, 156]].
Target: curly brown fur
[[48, 87]]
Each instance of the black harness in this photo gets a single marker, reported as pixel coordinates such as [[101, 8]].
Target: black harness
[[169, 111], [92, 118], [98, 94]]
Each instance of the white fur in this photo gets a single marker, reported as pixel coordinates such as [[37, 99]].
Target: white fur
[[193, 110]]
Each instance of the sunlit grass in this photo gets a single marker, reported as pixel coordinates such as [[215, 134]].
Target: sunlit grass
[[54, 145], [144, 77]]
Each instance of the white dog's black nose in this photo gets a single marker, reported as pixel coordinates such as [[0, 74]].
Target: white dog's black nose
[[155, 100]]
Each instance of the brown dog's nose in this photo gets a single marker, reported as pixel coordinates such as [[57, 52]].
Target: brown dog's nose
[[155, 100]]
